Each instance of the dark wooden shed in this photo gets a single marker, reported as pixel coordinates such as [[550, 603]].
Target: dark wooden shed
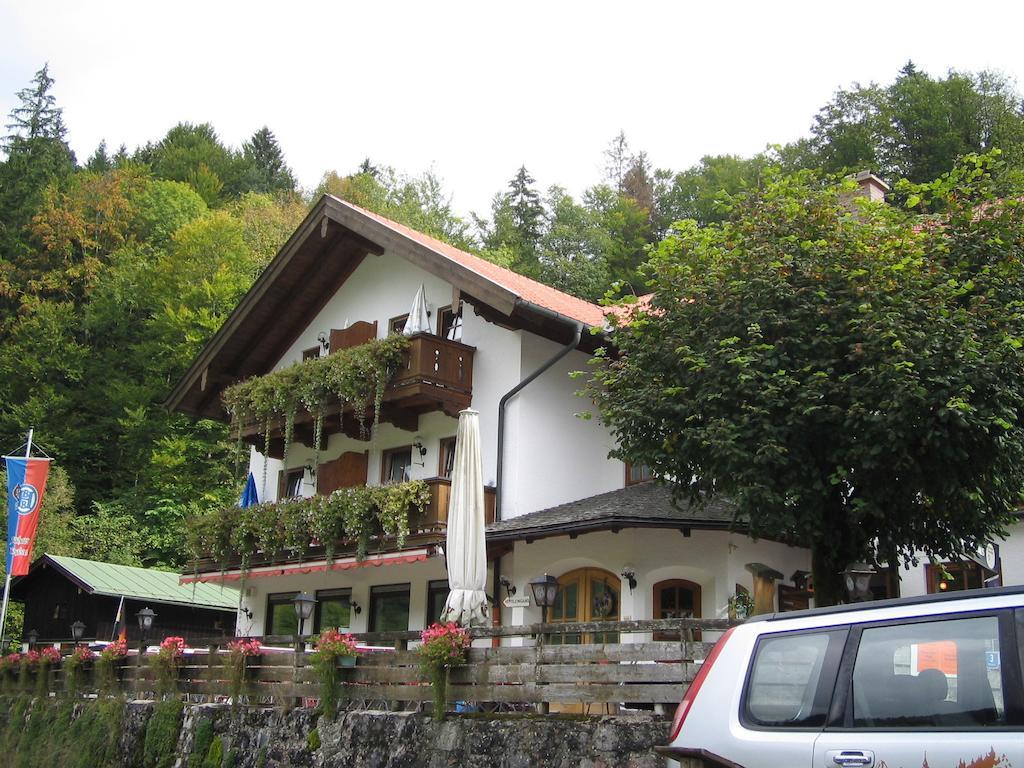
[[58, 591]]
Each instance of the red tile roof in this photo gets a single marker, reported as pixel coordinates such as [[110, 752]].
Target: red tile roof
[[526, 289]]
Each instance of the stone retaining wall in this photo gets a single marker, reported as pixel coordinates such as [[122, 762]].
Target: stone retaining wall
[[264, 738]]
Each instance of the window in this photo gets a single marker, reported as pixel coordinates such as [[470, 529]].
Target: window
[[449, 323], [290, 483], [447, 459], [281, 618], [437, 593], [395, 465], [389, 608], [965, 575], [676, 599], [397, 324], [790, 681], [637, 473], [333, 609], [310, 354], [929, 674]]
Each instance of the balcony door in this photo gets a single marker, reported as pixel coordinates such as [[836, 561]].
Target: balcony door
[[586, 594]]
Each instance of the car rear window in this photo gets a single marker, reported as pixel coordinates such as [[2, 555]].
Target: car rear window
[[936, 674], [791, 678]]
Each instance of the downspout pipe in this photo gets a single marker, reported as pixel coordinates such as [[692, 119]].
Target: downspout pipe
[[577, 334]]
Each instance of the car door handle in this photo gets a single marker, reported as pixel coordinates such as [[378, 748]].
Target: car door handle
[[850, 758]]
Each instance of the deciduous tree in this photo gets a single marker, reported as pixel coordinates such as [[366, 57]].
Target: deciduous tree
[[851, 379]]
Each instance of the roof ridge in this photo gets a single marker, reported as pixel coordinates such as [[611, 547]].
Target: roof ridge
[[478, 265]]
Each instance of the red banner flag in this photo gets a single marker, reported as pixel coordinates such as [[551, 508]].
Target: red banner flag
[[26, 483]]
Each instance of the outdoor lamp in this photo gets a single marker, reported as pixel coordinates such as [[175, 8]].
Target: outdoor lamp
[[304, 604], [145, 617], [857, 578], [32, 636], [545, 590], [77, 630]]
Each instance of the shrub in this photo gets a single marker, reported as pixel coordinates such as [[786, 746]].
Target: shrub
[[166, 664], [73, 668], [235, 665]]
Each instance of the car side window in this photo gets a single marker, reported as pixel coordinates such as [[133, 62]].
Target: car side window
[[791, 679], [929, 674]]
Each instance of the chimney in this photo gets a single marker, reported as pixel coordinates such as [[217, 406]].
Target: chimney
[[871, 187]]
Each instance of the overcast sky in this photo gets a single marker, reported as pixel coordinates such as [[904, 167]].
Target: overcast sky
[[475, 89]]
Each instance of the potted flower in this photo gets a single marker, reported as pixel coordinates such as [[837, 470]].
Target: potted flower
[[108, 665], [73, 667], [332, 647], [444, 646], [166, 664], [29, 663], [235, 663]]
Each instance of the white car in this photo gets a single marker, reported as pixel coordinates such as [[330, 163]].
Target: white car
[[928, 682]]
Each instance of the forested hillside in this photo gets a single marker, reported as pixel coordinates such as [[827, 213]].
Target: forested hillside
[[115, 270]]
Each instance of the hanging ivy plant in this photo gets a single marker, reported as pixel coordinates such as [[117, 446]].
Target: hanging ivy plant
[[356, 378], [357, 515]]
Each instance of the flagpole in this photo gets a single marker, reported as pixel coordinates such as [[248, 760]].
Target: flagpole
[[7, 581]]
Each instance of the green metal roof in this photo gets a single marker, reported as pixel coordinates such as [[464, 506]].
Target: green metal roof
[[144, 584]]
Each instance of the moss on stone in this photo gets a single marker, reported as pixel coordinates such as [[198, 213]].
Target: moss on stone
[[201, 743], [215, 754], [162, 732], [313, 740]]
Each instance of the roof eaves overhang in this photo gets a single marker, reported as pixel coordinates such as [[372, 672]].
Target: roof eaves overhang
[[608, 524], [259, 288]]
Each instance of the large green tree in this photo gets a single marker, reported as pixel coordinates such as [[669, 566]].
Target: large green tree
[[37, 155], [851, 379]]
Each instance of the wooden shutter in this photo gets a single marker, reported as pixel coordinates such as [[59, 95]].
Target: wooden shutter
[[346, 471], [358, 333]]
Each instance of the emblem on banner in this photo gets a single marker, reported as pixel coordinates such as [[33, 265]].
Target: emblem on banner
[[27, 497]]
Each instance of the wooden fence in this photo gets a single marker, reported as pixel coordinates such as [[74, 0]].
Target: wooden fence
[[546, 670]]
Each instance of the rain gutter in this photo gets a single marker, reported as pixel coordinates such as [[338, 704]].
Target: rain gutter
[[577, 328]]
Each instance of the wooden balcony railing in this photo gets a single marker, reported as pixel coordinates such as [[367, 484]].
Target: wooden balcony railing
[[434, 372], [435, 375], [435, 516], [425, 528]]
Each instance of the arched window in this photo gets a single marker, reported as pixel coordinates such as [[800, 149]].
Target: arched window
[[676, 599]]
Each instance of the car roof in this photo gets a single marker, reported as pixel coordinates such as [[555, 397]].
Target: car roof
[[899, 602]]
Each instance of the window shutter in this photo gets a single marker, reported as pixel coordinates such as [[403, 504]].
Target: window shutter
[[358, 333], [346, 471]]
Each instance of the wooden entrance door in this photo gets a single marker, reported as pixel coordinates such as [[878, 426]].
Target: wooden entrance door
[[586, 594]]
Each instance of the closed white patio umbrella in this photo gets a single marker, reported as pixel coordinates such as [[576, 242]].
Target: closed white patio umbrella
[[466, 552], [418, 321]]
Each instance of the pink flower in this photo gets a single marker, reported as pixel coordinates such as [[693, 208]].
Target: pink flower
[[115, 650], [50, 655], [333, 642], [173, 647], [82, 653], [245, 647]]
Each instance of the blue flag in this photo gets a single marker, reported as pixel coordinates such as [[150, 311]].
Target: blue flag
[[249, 496]]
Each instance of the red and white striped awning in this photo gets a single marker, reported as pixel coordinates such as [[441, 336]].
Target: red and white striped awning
[[321, 566]]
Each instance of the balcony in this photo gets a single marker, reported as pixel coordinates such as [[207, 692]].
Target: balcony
[[435, 375], [425, 528]]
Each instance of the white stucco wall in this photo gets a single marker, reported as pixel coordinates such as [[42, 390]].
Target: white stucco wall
[[713, 559], [552, 456]]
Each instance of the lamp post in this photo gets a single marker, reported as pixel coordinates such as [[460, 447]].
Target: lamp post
[[77, 630], [145, 617], [857, 579], [33, 637], [304, 605], [545, 592]]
